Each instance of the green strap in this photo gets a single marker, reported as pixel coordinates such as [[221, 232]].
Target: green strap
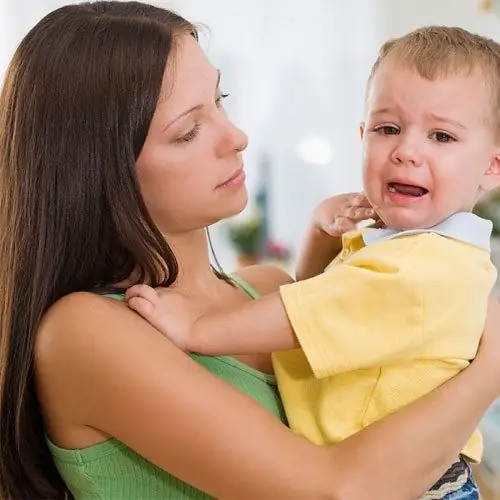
[[246, 287]]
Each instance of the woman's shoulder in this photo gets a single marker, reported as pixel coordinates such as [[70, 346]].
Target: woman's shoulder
[[79, 309], [264, 279], [82, 324]]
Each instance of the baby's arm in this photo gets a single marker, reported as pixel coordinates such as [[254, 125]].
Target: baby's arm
[[316, 251], [367, 312], [390, 302], [259, 326]]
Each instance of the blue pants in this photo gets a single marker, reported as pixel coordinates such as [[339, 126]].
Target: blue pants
[[456, 484]]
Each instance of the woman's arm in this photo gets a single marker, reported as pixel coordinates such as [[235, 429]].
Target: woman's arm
[[121, 376]]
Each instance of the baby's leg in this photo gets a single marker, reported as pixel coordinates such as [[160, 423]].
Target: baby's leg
[[456, 484]]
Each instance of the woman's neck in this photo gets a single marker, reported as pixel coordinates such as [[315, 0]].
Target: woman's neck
[[196, 275]]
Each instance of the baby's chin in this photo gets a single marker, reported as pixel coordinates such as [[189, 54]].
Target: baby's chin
[[405, 218]]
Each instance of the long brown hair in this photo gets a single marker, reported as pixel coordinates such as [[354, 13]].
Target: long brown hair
[[75, 109]]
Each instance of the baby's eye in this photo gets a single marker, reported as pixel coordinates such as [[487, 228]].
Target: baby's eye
[[442, 137], [387, 130]]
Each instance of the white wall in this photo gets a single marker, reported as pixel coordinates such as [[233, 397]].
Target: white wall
[[403, 16], [293, 69]]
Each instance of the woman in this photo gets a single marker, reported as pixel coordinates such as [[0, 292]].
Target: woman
[[115, 156]]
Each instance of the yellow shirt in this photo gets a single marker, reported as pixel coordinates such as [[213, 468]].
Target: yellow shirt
[[394, 316]]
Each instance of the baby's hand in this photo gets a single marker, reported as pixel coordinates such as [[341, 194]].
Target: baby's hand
[[166, 310], [339, 214]]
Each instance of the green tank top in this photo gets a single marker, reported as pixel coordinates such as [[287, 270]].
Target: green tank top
[[112, 471]]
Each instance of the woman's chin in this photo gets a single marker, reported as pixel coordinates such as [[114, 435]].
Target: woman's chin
[[236, 204], [230, 208]]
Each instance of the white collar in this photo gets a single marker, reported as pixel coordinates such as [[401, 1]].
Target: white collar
[[463, 226]]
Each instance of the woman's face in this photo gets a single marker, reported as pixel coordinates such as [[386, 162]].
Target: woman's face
[[190, 169]]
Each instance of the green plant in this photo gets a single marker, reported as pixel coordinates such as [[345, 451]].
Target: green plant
[[246, 235]]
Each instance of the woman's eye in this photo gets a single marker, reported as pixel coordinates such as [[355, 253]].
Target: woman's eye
[[218, 101], [189, 136]]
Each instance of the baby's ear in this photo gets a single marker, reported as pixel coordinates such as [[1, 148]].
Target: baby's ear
[[361, 129], [491, 178]]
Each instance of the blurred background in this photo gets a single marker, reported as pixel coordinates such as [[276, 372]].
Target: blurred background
[[296, 74]]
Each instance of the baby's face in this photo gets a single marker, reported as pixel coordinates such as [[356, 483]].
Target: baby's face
[[429, 147]]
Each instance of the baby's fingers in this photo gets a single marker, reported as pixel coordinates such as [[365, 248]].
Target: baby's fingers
[[340, 226], [360, 200], [143, 291], [144, 301], [142, 307], [358, 214]]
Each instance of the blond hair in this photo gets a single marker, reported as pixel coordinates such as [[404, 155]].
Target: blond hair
[[442, 51]]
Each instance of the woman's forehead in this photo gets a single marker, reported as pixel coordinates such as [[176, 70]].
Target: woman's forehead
[[189, 76]]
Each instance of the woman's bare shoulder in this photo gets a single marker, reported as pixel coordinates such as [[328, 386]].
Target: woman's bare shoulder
[[77, 312], [77, 328], [264, 278], [79, 303]]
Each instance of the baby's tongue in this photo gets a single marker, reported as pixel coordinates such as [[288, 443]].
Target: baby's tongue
[[407, 189]]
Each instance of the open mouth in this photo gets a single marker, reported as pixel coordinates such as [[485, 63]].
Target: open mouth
[[407, 189]]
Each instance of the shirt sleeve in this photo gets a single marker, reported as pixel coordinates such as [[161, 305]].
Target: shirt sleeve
[[370, 310]]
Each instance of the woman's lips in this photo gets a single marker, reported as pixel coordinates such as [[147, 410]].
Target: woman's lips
[[236, 180]]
